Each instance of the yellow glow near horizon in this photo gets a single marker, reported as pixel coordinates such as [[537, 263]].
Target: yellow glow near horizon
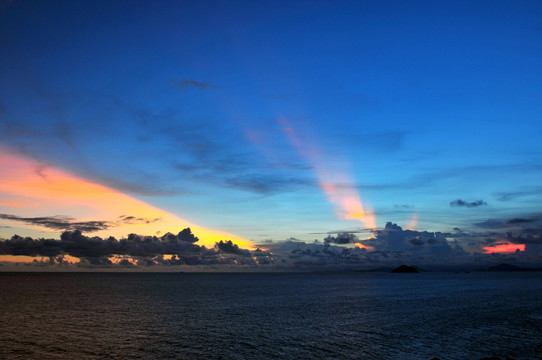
[[29, 189]]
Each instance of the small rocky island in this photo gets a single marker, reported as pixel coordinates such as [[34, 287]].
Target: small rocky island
[[405, 269]]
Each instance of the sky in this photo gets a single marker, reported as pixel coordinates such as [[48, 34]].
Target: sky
[[284, 135]]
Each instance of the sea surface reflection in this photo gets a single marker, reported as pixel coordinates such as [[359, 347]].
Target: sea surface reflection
[[258, 316]]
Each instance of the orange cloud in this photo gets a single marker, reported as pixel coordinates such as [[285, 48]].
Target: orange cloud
[[338, 186], [56, 192], [10, 203], [504, 248], [363, 246], [413, 222]]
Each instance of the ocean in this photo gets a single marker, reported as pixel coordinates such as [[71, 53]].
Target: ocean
[[349, 315]]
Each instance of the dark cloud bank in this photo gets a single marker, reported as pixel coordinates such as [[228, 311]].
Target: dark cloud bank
[[391, 246], [134, 250]]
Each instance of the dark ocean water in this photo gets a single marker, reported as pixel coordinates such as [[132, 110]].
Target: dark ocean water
[[268, 316]]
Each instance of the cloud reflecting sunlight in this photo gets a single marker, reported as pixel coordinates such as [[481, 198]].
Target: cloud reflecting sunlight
[[66, 202]]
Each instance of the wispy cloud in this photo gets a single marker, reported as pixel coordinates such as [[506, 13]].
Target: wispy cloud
[[403, 206], [60, 222], [128, 219], [533, 220], [520, 221], [388, 141], [267, 184], [189, 83], [513, 195], [424, 178], [66, 223], [492, 224]]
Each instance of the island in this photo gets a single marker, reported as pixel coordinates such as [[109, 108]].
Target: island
[[405, 269], [508, 267]]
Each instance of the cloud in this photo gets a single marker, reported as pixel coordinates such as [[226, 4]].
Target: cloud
[[492, 224], [403, 206], [239, 166], [521, 230], [142, 184], [384, 141], [424, 246], [229, 247], [530, 237], [520, 221], [67, 223], [194, 84], [60, 222], [179, 148], [527, 236], [11, 203], [462, 203], [533, 220], [263, 184], [65, 133], [142, 250], [392, 246], [126, 219], [513, 195], [431, 178], [342, 238], [303, 255], [388, 247]]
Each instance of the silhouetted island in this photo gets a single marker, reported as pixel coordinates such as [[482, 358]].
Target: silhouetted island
[[405, 269], [486, 358], [508, 267]]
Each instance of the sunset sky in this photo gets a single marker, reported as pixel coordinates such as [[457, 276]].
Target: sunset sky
[[410, 128]]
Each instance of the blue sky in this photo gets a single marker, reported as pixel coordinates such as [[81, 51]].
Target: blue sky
[[234, 114]]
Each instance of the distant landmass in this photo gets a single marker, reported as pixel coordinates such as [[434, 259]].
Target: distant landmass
[[405, 269], [486, 358], [379, 269], [509, 267]]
